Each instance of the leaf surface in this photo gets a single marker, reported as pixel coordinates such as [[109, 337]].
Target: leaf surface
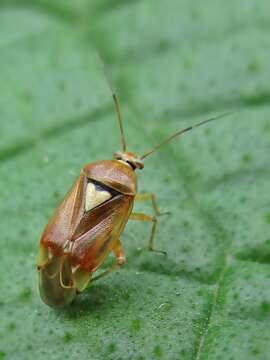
[[172, 63]]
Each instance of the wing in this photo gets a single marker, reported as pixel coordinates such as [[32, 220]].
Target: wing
[[99, 230], [66, 218]]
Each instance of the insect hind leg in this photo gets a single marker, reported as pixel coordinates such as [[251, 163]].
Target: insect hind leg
[[120, 253], [120, 257]]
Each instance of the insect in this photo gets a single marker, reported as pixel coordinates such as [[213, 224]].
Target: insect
[[87, 225]]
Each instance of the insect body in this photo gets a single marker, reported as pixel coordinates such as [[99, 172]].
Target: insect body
[[85, 229], [88, 224]]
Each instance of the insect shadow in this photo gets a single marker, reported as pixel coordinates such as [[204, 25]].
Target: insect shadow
[[100, 299]]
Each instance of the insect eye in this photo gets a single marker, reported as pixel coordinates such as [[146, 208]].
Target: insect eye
[[138, 165], [118, 156]]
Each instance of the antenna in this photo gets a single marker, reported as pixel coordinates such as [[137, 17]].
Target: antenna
[[120, 121], [116, 104], [180, 132]]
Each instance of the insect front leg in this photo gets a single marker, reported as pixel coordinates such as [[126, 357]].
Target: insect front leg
[[152, 197], [153, 219], [120, 257]]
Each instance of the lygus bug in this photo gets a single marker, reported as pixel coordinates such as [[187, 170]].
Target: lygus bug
[[88, 224]]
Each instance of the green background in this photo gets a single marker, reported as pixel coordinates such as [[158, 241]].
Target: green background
[[173, 63]]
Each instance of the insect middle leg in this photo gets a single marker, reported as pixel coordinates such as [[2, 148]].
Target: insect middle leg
[[120, 257]]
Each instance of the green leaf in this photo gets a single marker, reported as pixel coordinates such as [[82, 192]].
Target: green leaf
[[173, 64]]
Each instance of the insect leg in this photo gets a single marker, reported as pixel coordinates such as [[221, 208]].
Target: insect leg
[[153, 219], [119, 253], [120, 257], [153, 199], [107, 272]]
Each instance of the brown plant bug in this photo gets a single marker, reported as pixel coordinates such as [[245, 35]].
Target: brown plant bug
[[87, 225]]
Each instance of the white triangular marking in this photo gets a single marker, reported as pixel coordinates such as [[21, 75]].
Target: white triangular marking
[[95, 197]]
